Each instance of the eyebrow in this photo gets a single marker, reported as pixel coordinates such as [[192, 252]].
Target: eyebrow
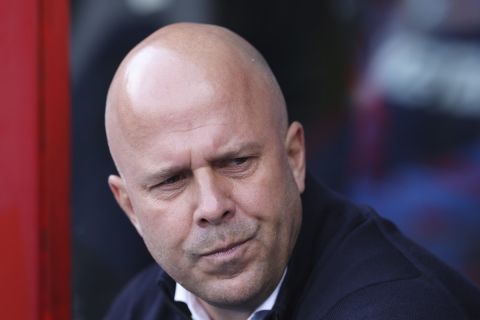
[[249, 148]]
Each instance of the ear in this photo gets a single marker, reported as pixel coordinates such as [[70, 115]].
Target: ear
[[117, 185], [295, 147]]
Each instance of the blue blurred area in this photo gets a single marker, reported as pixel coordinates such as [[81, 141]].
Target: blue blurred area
[[389, 96], [415, 145]]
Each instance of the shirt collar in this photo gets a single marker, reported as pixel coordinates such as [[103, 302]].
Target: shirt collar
[[199, 313]]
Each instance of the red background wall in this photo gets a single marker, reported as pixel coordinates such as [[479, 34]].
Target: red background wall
[[34, 160]]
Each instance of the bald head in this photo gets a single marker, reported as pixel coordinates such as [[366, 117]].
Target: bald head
[[197, 126], [169, 67]]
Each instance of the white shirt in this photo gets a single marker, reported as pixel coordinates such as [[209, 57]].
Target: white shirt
[[199, 313]]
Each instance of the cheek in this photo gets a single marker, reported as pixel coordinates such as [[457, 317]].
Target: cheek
[[165, 228], [273, 198], [253, 198], [263, 195]]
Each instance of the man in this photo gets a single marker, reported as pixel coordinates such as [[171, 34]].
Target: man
[[211, 177]]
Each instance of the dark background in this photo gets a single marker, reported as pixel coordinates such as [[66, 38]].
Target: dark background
[[414, 155]]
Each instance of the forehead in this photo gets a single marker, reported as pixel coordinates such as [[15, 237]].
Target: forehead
[[157, 79], [164, 84], [170, 101], [191, 145]]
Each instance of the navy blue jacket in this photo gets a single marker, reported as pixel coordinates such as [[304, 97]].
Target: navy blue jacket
[[348, 263]]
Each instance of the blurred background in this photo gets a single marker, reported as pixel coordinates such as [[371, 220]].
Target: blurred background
[[388, 92]]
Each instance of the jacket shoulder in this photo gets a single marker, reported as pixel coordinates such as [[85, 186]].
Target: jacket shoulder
[[145, 297], [365, 268], [412, 299]]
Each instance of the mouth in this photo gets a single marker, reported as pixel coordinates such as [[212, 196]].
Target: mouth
[[225, 251], [227, 260]]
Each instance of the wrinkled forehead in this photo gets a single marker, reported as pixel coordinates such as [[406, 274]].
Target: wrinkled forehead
[[161, 90]]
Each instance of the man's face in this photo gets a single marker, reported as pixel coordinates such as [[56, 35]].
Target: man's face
[[210, 184]]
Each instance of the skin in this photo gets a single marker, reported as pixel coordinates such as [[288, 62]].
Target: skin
[[210, 173]]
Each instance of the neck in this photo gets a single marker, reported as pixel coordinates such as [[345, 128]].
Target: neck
[[202, 308], [216, 313]]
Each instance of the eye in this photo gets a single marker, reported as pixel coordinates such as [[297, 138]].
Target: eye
[[237, 167], [172, 182], [233, 163], [238, 161]]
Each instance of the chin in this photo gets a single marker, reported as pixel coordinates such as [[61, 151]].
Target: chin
[[243, 291]]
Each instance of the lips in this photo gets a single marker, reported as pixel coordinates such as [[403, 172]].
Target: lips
[[226, 260], [224, 249]]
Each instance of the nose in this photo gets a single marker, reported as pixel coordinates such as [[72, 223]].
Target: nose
[[214, 204]]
